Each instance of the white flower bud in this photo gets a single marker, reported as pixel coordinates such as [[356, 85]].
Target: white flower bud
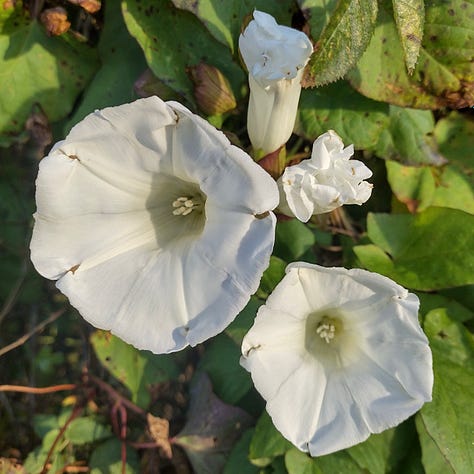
[[275, 57]]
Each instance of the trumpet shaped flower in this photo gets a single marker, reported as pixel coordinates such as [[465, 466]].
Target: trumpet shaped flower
[[153, 224], [338, 354], [326, 181], [275, 57]]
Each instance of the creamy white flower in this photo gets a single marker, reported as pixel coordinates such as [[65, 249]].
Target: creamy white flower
[[153, 224], [275, 57], [326, 181], [338, 354]]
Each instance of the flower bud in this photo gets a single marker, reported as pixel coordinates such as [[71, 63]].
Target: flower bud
[[275, 57], [211, 89]]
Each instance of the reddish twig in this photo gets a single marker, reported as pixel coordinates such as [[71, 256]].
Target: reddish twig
[[116, 396], [75, 413], [35, 330], [37, 390]]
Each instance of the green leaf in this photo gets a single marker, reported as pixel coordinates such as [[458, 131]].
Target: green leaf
[[86, 430], [409, 139], [106, 459], [242, 323], [238, 462], [272, 275], [409, 18], [300, 463], [224, 19], [327, 108], [122, 62], [293, 239], [137, 370], [455, 136], [421, 252], [342, 41], [318, 13], [173, 40], [38, 69], [453, 362], [340, 462], [432, 458], [444, 74], [454, 310], [423, 187], [221, 361], [267, 442]]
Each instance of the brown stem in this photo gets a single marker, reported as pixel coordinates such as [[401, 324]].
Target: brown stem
[[37, 390], [75, 413], [35, 330], [116, 396]]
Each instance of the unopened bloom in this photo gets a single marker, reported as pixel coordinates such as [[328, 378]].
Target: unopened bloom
[[338, 354], [326, 181], [153, 224], [275, 57]]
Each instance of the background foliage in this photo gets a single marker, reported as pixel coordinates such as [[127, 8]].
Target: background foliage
[[396, 78]]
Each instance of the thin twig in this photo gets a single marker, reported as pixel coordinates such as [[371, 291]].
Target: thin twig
[[37, 390], [35, 330], [116, 396], [12, 296], [75, 413]]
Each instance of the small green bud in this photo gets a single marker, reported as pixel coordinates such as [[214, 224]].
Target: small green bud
[[211, 89]]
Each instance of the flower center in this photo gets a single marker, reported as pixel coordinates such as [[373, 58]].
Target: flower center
[[326, 329], [184, 205], [324, 334]]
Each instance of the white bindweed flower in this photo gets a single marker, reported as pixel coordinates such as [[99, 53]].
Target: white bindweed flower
[[154, 225], [275, 57], [326, 181], [338, 354]]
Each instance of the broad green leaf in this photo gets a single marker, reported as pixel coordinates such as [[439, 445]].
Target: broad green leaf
[[221, 361], [173, 40], [293, 239], [224, 20], [298, 462], [137, 370], [444, 74], [431, 250], [122, 62], [342, 42], [423, 187], [38, 69], [238, 462], [455, 137], [339, 462], [212, 428], [409, 18], [454, 310], [453, 362], [86, 430], [107, 459], [384, 452], [432, 458], [242, 323], [272, 275], [326, 108], [318, 13], [267, 442], [408, 138]]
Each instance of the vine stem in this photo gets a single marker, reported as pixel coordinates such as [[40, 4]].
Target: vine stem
[[37, 390]]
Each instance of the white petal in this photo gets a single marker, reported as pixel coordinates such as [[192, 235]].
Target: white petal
[[328, 393], [106, 224]]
